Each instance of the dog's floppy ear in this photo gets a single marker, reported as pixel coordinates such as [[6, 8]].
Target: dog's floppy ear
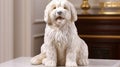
[[46, 14], [73, 13]]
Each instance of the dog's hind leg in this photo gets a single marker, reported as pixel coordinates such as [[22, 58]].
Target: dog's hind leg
[[82, 60], [83, 55], [38, 59]]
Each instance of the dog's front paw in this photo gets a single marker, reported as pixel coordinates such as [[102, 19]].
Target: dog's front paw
[[36, 60], [83, 62], [47, 62], [71, 64]]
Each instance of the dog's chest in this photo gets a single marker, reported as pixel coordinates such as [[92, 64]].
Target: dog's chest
[[61, 38], [61, 42]]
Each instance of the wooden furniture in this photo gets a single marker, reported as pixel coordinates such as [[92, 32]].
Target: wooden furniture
[[102, 34]]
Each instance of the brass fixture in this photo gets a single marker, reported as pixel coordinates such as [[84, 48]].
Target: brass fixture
[[109, 4], [108, 12], [85, 5], [114, 6]]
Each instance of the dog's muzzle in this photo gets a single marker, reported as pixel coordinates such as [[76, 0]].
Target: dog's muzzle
[[59, 15], [59, 18], [59, 12]]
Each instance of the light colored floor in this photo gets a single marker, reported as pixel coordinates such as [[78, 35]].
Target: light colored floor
[[25, 62]]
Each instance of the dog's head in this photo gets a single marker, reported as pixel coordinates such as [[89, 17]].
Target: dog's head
[[57, 12]]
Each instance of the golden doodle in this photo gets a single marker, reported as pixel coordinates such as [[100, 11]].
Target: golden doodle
[[62, 45]]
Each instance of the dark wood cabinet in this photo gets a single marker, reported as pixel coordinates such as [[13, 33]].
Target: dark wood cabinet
[[101, 33]]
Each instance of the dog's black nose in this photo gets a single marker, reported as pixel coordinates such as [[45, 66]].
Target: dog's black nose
[[59, 12]]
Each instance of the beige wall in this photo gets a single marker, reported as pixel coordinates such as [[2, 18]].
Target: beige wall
[[22, 27], [39, 6], [18, 27], [29, 28], [6, 30]]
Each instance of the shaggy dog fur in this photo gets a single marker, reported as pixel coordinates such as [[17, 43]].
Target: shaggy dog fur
[[62, 45]]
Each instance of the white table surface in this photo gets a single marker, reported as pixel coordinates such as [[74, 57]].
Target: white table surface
[[25, 62]]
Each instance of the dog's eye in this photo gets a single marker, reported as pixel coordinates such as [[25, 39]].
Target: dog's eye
[[65, 7], [54, 7]]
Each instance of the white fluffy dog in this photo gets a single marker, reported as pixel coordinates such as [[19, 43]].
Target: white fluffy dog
[[62, 45]]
